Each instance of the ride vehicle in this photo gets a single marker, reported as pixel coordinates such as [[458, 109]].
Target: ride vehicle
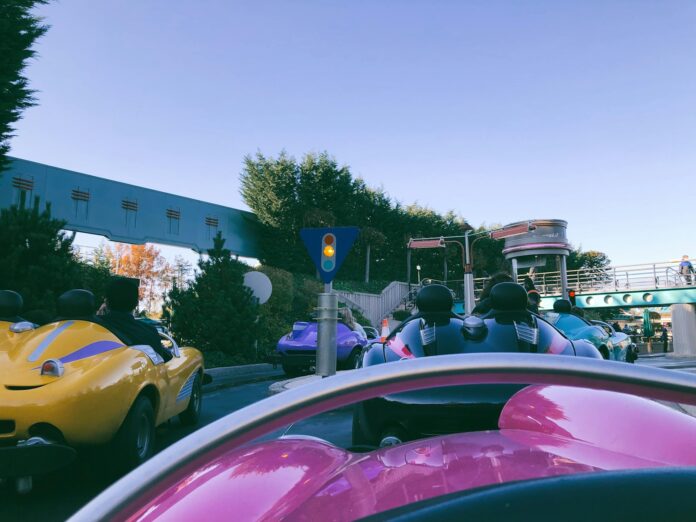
[[74, 383], [613, 345], [297, 351], [566, 446], [435, 331]]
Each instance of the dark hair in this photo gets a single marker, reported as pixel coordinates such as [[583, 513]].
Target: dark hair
[[122, 294], [528, 284], [500, 277]]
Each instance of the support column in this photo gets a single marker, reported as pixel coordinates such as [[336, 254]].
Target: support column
[[514, 269], [684, 329], [564, 278], [326, 334]]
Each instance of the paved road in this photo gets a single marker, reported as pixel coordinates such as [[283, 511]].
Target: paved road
[[57, 496]]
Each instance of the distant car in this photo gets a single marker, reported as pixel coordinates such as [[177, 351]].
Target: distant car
[[435, 331], [298, 349], [371, 332], [613, 345]]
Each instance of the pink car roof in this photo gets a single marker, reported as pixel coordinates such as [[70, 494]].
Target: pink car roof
[[544, 431]]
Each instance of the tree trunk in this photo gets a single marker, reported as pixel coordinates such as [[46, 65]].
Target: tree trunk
[[367, 264]]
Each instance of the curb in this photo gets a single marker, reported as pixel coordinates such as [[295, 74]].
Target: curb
[[228, 376], [296, 382]]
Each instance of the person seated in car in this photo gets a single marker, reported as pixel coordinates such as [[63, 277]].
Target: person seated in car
[[121, 301], [348, 319], [484, 304]]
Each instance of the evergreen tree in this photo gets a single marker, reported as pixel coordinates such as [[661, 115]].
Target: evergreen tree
[[216, 313], [19, 29], [38, 260]]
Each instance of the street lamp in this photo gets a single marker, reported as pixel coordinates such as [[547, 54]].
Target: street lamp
[[440, 242]]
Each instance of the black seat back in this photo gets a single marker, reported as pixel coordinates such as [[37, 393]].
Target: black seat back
[[77, 304], [10, 306]]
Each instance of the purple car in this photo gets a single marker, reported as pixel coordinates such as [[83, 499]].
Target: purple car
[[298, 349], [583, 441]]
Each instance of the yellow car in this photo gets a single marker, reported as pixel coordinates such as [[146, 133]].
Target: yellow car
[[74, 383]]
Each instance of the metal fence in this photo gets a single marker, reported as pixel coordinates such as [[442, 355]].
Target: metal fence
[[377, 306], [648, 276]]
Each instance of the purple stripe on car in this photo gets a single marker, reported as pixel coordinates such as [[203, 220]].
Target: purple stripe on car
[[90, 350]]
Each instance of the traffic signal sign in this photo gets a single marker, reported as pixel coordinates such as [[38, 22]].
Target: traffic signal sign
[[328, 252], [571, 297], [328, 248]]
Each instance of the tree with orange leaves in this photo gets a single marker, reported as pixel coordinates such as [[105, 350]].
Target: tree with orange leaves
[[144, 262]]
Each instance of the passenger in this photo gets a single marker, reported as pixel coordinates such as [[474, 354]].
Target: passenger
[[121, 300], [686, 269], [350, 322], [533, 295], [484, 304], [576, 310]]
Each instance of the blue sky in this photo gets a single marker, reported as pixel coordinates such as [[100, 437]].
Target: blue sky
[[500, 111]]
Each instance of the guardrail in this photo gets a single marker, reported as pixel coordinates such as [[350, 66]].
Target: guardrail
[[648, 276]]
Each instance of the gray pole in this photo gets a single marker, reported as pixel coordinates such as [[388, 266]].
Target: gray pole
[[469, 301], [514, 269], [367, 264], [564, 278], [326, 336]]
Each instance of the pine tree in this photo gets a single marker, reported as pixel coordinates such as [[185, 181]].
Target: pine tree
[[19, 29]]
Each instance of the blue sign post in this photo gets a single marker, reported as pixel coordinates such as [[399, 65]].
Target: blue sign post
[[328, 248]]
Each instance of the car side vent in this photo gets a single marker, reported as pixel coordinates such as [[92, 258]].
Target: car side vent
[[20, 388], [527, 333], [7, 426]]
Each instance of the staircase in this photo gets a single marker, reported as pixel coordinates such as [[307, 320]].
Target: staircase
[[376, 306]]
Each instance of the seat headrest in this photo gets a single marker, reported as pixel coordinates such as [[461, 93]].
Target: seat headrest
[[562, 306], [508, 297], [10, 303], [76, 303], [434, 299]]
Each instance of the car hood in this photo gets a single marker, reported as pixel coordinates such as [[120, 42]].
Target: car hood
[[21, 354], [544, 431]]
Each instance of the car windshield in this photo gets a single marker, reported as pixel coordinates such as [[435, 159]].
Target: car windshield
[[567, 323]]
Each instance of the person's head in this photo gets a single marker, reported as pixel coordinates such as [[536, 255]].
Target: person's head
[[500, 277], [685, 257], [347, 317], [122, 295]]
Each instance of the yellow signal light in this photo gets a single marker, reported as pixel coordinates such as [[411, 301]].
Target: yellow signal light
[[329, 251]]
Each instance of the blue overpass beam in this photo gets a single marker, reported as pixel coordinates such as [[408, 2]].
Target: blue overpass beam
[[128, 213]]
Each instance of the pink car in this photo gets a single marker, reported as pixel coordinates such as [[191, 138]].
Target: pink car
[[583, 441]]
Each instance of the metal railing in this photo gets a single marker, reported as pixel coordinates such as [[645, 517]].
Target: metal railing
[[648, 276]]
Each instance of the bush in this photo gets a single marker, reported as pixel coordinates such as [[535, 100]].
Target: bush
[[401, 315], [216, 313], [373, 287]]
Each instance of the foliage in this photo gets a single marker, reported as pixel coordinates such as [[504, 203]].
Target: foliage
[[38, 260], [216, 313], [373, 287], [288, 195], [401, 315], [19, 29], [143, 262]]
